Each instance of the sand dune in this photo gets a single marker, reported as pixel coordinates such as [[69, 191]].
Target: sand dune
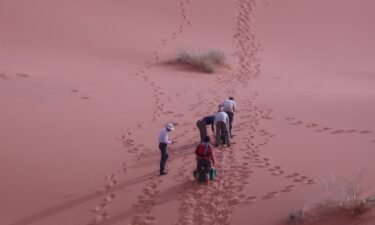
[[85, 89]]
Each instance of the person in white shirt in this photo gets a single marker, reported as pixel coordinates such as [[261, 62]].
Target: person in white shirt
[[222, 127], [163, 142], [229, 106]]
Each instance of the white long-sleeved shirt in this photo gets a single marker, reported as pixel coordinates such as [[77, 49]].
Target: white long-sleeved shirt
[[163, 136], [229, 105], [222, 116]]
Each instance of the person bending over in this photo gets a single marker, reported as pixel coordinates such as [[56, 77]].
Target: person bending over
[[204, 155]]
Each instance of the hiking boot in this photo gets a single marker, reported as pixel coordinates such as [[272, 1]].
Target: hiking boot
[[228, 144], [163, 173]]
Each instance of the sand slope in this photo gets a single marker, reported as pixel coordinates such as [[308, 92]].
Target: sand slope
[[85, 90]]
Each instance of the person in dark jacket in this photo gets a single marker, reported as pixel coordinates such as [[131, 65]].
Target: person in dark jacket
[[202, 125]]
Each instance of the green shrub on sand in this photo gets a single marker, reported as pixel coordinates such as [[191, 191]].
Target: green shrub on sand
[[206, 61], [342, 198]]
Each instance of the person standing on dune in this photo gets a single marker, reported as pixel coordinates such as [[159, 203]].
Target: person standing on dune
[[163, 143], [229, 106], [222, 127]]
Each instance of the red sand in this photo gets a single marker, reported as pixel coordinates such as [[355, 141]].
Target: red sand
[[84, 93]]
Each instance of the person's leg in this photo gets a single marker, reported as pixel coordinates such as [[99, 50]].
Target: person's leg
[[196, 178], [231, 124], [230, 115], [164, 157], [198, 171], [223, 139], [227, 134], [218, 134], [207, 167], [199, 125], [223, 132], [202, 129]]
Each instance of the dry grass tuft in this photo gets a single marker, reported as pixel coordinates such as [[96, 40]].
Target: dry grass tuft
[[347, 197], [206, 61]]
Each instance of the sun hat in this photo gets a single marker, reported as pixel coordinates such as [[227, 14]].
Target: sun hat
[[169, 126]]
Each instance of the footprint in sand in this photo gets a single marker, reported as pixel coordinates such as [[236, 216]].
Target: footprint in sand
[[109, 198], [365, 132], [99, 208], [167, 112], [319, 130], [129, 142], [270, 195], [23, 75], [250, 199], [100, 217], [352, 131], [288, 188], [123, 168], [111, 184], [338, 132], [300, 179], [309, 181], [263, 165], [292, 175], [85, 97], [277, 172], [312, 125], [297, 180], [109, 177], [326, 128]]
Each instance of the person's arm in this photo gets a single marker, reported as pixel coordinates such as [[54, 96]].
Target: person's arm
[[164, 138], [234, 106], [167, 138]]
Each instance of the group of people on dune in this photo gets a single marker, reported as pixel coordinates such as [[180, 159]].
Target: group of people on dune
[[221, 122]]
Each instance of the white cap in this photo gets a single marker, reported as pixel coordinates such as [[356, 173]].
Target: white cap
[[169, 126]]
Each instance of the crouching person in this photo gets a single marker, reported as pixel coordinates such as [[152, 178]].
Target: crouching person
[[204, 155]]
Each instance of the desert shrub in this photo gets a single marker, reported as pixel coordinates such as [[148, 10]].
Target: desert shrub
[[346, 197], [206, 61]]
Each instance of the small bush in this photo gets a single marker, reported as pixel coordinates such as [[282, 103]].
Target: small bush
[[207, 61], [341, 197]]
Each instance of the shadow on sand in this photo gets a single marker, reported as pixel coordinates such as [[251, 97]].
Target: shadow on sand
[[64, 206]]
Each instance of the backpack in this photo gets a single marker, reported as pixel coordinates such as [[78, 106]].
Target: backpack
[[202, 150]]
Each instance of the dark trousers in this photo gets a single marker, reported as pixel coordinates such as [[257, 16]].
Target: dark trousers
[[230, 115], [203, 165], [202, 129], [164, 156]]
